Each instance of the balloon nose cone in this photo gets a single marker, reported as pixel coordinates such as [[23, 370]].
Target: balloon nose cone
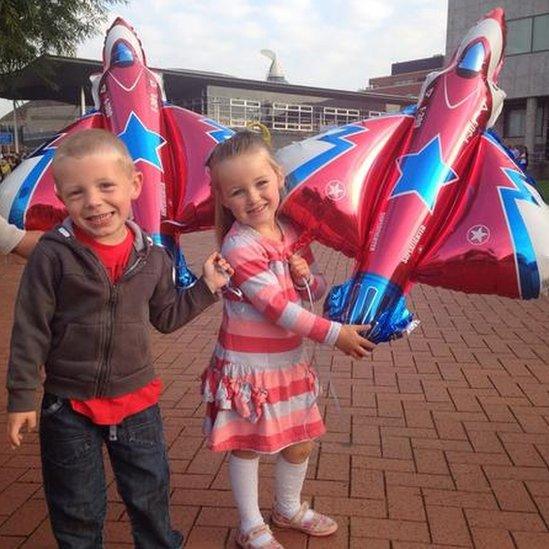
[[497, 13], [120, 21], [472, 59], [121, 55]]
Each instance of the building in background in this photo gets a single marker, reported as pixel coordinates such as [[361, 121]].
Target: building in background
[[39, 120], [290, 112], [525, 74], [406, 77]]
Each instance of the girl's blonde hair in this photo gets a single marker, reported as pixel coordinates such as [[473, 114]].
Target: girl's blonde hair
[[243, 142]]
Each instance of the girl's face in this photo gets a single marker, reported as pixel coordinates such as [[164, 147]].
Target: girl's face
[[250, 187]]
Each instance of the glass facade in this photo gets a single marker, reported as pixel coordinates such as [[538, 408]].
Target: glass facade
[[540, 35], [282, 112], [527, 35], [515, 121]]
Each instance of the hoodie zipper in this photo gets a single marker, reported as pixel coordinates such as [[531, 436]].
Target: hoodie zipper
[[103, 359], [105, 368], [105, 365]]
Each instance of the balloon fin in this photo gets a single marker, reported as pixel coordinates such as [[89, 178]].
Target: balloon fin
[[497, 241], [333, 179], [192, 137]]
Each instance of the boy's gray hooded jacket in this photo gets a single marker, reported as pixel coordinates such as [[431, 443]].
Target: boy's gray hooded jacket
[[91, 335]]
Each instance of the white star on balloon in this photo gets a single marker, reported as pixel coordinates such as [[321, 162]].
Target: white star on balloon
[[478, 234], [335, 190]]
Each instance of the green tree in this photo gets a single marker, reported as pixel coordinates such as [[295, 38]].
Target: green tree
[[29, 28]]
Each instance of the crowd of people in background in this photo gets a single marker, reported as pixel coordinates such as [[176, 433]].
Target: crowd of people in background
[[520, 155], [8, 163]]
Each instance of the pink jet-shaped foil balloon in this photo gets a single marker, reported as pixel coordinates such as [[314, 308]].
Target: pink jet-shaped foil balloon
[[424, 195], [168, 144]]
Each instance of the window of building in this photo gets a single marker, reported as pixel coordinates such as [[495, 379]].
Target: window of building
[[290, 117], [540, 114], [392, 107], [515, 123], [243, 111], [519, 36], [333, 116], [540, 40], [528, 34], [234, 112]]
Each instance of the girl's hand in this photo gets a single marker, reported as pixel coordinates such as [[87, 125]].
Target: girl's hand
[[216, 271], [352, 343], [299, 269]]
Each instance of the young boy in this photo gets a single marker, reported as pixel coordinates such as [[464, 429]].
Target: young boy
[[85, 300]]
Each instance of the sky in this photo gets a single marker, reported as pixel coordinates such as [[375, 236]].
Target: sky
[[324, 43]]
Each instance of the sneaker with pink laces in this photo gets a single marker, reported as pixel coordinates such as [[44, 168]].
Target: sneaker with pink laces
[[250, 539], [317, 524]]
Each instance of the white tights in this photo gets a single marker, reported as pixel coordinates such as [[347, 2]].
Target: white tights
[[289, 478]]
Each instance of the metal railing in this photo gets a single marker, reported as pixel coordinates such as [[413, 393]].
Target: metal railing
[[277, 116]]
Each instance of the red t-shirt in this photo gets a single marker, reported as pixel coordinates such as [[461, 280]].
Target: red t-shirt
[[113, 410]]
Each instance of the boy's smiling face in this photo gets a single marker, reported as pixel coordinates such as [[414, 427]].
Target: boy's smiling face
[[97, 190]]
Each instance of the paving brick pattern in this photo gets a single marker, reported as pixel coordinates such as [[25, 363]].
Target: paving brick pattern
[[438, 440]]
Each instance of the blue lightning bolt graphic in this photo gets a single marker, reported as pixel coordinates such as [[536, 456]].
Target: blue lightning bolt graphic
[[221, 133], [21, 201], [525, 255], [341, 145]]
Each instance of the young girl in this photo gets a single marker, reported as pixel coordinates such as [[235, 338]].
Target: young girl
[[260, 388]]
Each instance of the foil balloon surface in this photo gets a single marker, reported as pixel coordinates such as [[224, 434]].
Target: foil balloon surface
[[426, 195], [168, 144]]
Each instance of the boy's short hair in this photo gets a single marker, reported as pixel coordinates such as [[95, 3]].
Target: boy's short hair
[[92, 141]]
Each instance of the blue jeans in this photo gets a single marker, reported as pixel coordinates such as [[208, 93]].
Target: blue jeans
[[74, 478]]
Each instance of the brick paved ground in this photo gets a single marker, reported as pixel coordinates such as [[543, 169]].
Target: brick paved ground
[[442, 438]]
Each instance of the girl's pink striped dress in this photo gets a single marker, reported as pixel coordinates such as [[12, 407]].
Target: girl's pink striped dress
[[260, 388]]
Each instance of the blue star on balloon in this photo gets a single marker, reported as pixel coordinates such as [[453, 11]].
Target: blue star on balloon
[[143, 144], [424, 173]]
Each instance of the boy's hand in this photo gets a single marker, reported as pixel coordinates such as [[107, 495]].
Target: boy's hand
[[352, 343], [216, 271], [299, 269], [16, 421]]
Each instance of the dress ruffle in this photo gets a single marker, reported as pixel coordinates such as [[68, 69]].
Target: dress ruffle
[[250, 392]]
